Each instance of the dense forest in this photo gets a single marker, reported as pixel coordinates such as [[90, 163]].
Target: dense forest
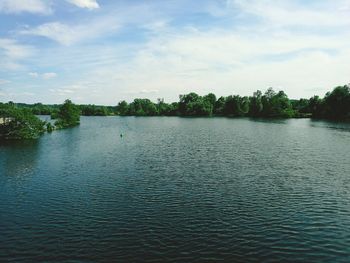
[[335, 105], [18, 121], [85, 110]]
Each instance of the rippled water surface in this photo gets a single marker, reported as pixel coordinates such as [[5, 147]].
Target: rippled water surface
[[178, 190]]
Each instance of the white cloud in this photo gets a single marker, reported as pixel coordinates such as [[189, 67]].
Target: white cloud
[[156, 26], [302, 49], [141, 91], [12, 49], [33, 74], [40, 6], [89, 4], [56, 31], [30, 6], [78, 92], [225, 63], [279, 13], [64, 91], [48, 75], [4, 81], [71, 34], [11, 53]]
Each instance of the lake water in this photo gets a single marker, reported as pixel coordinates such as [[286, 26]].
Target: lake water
[[178, 190]]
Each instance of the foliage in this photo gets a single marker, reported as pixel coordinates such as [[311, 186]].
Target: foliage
[[20, 123], [219, 106], [142, 107], [256, 105], [93, 110], [122, 108], [236, 106], [271, 104], [336, 104], [68, 115], [50, 127], [86, 110], [194, 105]]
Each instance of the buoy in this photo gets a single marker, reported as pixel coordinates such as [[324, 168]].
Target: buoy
[[121, 135]]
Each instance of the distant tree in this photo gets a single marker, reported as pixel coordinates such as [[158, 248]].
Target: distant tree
[[186, 103], [143, 107], [219, 106], [276, 104], [211, 99], [122, 108], [301, 105], [256, 106], [316, 106], [200, 107], [40, 109], [93, 110], [20, 123], [337, 103], [244, 105], [162, 107], [194, 105], [173, 109], [68, 115], [233, 106]]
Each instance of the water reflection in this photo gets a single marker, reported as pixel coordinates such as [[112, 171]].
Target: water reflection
[[178, 190], [336, 125], [269, 121], [18, 158]]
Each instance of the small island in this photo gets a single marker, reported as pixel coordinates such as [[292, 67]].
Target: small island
[[20, 123]]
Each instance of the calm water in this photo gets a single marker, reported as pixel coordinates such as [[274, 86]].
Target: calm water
[[178, 190]]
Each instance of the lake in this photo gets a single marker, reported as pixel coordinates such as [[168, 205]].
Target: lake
[[178, 190]]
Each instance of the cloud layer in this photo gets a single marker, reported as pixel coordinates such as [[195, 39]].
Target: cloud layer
[[89, 4], [40, 6], [30, 6], [128, 49]]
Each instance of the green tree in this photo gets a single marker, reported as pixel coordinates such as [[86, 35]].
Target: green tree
[[276, 104], [143, 107], [186, 103], [122, 108], [316, 106], [244, 106], [93, 110], [211, 99], [68, 115], [20, 123], [173, 109], [256, 106], [194, 105], [337, 103], [233, 106], [219, 106]]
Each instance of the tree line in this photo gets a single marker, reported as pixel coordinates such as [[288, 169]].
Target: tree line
[[270, 104], [19, 120], [85, 110]]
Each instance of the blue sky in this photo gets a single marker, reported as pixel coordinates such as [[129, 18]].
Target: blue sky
[[103, 51]]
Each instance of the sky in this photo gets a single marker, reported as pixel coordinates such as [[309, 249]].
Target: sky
[[104, 51]]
